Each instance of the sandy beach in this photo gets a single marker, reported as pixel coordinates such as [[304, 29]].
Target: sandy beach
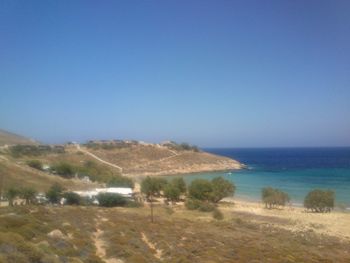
[[295, 219]]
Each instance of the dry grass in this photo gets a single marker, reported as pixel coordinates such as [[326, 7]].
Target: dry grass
[[182, 236]]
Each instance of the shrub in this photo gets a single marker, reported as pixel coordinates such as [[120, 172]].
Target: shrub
[[64, 169], [36, 164], [319, 201], [111, 200], [192, 204], [217, 214], [54, 194], [120, 181], [274, 197], [195, 204], [72, 198]]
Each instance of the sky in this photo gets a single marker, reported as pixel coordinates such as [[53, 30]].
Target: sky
[[211, 73]]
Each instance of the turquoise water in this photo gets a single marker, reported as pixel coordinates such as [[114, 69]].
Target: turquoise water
[[295, 171]]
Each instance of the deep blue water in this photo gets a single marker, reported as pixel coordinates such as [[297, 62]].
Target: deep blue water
[[294, 170]]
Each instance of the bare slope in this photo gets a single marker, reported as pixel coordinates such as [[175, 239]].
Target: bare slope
[[137, 159], [8, 138]]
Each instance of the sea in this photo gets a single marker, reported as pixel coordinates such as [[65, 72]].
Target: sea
[[293, 170]]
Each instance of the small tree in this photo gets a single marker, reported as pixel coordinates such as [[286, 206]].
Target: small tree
[[274, 197], [319, 201], [151, 187], [11, 194], [72, 198], [200, 189], [28, 194], [180, 184], [221, 188], [172, 192], [54, 194]]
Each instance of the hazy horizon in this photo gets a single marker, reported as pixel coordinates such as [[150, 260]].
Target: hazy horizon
[[211, 73]]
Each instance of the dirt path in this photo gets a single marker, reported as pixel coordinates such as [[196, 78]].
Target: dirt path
[[158, 253], [98, 158], [100, 244]]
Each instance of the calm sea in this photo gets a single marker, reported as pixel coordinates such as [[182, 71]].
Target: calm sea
[[294, 170]]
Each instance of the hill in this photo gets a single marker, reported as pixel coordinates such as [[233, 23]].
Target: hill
[[8, 138], [141, 159]]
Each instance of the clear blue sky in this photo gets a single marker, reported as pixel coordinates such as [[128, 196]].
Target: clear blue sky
[[212, 73]]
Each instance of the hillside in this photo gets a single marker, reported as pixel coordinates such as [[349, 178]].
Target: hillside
[[117, 235], [141, 159], [8, 138]]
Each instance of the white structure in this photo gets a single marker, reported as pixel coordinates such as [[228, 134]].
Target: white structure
[[123, 191]]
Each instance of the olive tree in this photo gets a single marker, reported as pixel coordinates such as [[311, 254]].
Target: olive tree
[[151, 187], [319, 201], [273, 197]]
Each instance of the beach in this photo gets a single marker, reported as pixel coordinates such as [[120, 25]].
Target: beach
[[292, 218]]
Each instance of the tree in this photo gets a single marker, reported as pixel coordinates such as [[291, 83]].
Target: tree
[[273, 197], [72, 198], [221, 188], [11, 194], [54, 194], [29, 194], [319, 201], [200, 189], [151, 187], [180, 184], [172, 192]]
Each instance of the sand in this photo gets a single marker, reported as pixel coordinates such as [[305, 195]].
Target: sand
[[296, 219]]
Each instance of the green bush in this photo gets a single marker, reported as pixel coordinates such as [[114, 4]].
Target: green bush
[[64, 169], [111, 200], [274, 197], [36, 164], [319, 201], [195, 204], [217, 214], [72, 198]]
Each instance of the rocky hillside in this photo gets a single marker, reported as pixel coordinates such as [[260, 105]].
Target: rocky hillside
[[141, 159]]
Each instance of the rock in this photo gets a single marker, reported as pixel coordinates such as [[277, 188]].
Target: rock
[[56, 234]]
